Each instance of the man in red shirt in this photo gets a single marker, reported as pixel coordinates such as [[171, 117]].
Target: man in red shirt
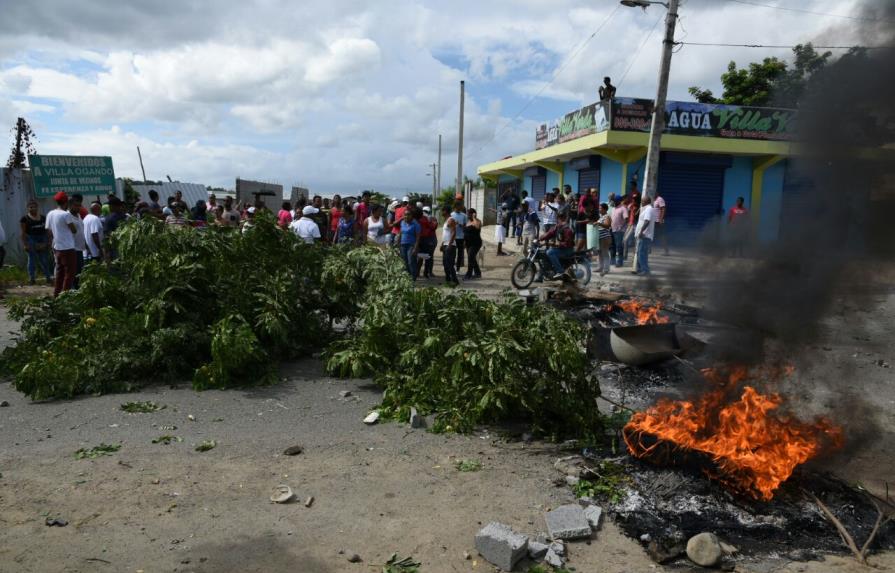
[[428, 225], [362, 210], [565, 241], [738, 221], [399, 215]]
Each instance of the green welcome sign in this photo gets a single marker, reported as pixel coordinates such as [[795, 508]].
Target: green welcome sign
[[72, 174]]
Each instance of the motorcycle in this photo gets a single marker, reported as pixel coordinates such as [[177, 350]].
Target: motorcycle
[[536, 264]]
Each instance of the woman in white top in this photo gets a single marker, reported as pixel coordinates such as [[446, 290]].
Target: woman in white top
[[449, 247], [374, 227]]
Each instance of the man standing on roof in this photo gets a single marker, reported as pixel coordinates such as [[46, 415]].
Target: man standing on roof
[[607, 90]]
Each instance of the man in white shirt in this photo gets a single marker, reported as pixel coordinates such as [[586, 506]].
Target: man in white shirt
[[93, 233], [645, 231], [62, 230], [305, 227], [551, 209]]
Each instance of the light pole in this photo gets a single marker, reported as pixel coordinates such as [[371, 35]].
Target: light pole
[[658, 124], [434, 175]]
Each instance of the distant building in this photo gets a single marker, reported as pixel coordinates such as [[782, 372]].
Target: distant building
[[248, 191], [299, 193]]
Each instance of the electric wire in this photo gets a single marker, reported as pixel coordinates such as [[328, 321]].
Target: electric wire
[[803, 11], [556, 74], [781, 46], [637, 53]]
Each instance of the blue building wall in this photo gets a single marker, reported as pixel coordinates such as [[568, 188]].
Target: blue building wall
[[771, 203], [552, 180], [610, 178], [738, 182], [570, 177]]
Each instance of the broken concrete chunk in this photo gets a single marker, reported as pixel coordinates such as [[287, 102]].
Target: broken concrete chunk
[[593, 513], [416, 421], [500, 545], [730, 549], [537, 550], [569, 465], [345, 394], [553, 559], [704, 549], [559, 548], [372, 418], [567, 522], [572, 480]]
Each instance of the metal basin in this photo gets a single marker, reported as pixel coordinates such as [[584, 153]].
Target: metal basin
[[644, 344]]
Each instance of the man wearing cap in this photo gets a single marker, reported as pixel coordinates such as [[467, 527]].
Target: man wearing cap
[[399, 215], [305, 227], [428, 242], [61, 226]]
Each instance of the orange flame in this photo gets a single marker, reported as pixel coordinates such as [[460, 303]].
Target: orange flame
[[643, 312], [754, 449]]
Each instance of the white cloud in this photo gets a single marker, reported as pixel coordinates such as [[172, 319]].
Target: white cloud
[[348, 94]]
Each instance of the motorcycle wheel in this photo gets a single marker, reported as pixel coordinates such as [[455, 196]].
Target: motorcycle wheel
[[581, 272], [523, 274]]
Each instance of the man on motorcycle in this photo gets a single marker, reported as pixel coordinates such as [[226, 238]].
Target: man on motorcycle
[[565, 238]]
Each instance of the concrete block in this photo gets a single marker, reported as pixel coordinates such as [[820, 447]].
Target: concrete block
[[553, 559], [416, 421], [559, 548], [537, 550], [567, 522], [592, 514], [501, 546]]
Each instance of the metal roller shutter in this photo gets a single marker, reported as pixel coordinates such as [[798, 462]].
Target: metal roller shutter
[[588, 178], [538, 187], [693, 193]]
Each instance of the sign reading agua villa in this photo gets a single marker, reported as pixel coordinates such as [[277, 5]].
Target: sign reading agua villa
[[681, 118], [72, 174]]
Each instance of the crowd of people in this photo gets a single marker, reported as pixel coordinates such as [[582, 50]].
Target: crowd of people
[[622, 228]]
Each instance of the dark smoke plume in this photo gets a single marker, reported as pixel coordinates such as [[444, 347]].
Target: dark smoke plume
[[845, 219]]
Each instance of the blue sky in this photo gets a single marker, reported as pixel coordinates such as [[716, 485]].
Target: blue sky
[[348, 95]]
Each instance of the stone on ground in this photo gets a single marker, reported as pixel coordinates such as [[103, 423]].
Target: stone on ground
[[416, 421], [704, 549], [567, 522], [500, 545], [553, 559], [537, 550], [593, 513], [372, 418], [559, 548]]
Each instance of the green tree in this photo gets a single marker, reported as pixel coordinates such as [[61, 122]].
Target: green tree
[[772, 82]]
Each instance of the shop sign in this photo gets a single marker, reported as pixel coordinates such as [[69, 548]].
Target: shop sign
[[572, 126], [72, 174], [712, 120]]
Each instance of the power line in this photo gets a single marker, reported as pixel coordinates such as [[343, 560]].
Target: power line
[[803, 11], [637, 53], [550, 83], [778, 46]]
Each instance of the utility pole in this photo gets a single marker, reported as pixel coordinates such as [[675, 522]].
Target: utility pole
[[434, 167], [438, 183], [459, 186], [650, 178]]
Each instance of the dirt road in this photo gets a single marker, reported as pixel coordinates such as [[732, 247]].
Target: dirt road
[[377, 489]]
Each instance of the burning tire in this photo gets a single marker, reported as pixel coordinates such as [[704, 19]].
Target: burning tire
[[523, 274]]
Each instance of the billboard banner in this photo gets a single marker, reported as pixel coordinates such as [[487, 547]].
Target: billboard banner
[[72, 174], [571, 126], [703, 119]]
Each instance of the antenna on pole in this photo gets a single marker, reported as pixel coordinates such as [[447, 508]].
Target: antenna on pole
[[140, 155]]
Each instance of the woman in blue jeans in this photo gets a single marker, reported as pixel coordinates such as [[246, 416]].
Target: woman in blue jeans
[[409, 238], [34, 240]]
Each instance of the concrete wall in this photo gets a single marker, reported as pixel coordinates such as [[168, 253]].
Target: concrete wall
[[738, 182], [610, 178], [771, 203]]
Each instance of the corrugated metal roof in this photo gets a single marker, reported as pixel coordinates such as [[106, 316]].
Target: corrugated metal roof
[[192, 192]]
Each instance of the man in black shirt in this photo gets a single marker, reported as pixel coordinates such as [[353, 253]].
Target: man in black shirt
[[607, 90]]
